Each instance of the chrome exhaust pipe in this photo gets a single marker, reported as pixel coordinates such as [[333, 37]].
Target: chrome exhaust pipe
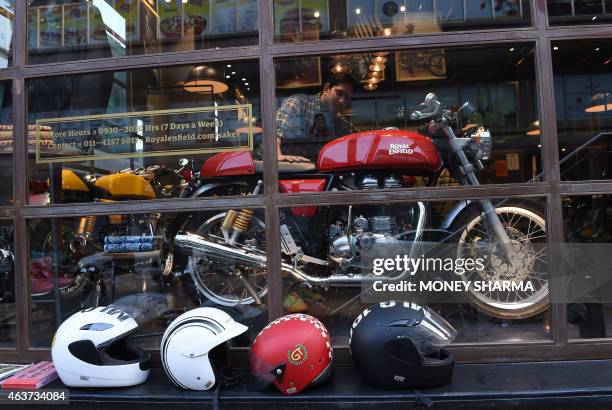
[[257, 259], [190, 242]]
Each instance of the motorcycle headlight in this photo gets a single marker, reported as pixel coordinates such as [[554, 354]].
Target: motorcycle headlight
[[481, 142]]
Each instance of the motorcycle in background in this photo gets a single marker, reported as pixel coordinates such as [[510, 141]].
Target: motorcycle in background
[[78, 239]]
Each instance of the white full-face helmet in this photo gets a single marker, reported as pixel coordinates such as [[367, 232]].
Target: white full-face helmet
[[92, 349], [194, 347]]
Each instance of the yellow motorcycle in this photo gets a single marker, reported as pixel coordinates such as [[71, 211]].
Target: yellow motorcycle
[[69, 240]]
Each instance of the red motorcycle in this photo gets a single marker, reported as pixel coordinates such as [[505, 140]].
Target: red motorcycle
[[325, 246]]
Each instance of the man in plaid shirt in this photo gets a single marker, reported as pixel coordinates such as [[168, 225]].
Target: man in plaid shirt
[[300, 114]]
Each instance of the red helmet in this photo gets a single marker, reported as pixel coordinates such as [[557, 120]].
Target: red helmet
[[293, 352]]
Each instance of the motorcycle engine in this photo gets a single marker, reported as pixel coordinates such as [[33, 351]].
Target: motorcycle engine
[[374, 232]]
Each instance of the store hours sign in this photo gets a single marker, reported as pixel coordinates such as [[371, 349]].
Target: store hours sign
[[145, 134]]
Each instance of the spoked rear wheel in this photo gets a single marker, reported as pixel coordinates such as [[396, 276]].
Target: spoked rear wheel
[[229, 284]]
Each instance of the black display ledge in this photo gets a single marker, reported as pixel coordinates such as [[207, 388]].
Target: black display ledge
[[576, 384]]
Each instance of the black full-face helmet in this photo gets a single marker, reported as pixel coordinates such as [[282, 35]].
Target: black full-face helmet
[[400, 345]]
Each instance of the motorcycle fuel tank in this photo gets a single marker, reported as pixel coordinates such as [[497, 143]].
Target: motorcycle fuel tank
[[72, 182], [380, 149], [228, 164], [125, 185]]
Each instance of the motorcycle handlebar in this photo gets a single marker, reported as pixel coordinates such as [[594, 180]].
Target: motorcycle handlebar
[[434, 109]]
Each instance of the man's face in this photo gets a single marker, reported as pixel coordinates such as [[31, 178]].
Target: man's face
[[337, 97]]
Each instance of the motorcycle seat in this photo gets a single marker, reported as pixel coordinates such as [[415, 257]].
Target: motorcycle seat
[[288, 167]]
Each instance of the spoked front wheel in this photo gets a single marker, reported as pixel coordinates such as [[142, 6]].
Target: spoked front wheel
[[518, 289]]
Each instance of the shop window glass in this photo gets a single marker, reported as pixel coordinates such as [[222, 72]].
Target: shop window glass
[[122, 135], [6, 142], [146, 262], [8, 318], [583, 97], [323, 98], [78, 30], [567, 12], [314, 20], [586, 260], [7, 21], [341, 259]]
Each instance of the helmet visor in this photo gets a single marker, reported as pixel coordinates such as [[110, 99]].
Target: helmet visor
[[265, 373], [433, 333]]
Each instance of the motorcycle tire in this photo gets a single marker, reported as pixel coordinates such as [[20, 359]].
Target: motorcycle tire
[[201, 291], [470, 229]]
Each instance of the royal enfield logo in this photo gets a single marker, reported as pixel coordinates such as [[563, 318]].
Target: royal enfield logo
[[400, 149], [297, 355]]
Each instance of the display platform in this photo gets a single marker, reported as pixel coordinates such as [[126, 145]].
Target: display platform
[[578, 384]]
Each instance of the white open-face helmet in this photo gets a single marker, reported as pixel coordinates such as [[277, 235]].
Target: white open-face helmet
[[92, 349], [194, 345]]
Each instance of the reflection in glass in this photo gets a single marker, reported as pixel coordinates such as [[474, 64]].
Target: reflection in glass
[[120, 135], [567, 12], [341, 259], [314, 20], [583, 96], [8, 318], [138, 261], [588, 240], [321, 100], [79, 30], [6, 142], [7, 21]]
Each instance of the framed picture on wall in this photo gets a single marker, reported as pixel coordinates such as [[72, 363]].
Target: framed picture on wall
[[170, 20], [224, 13], [75, 24], [300, 20], [248, 15], [418, 65], [298, 73], [196, 18]]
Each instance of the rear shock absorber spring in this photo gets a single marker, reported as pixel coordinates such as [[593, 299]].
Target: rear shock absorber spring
[[87, 225], [241, 223]]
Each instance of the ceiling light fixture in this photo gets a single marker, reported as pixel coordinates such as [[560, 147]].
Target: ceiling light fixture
[[534, 128], [204, 80], [337, 69], [600, 102]]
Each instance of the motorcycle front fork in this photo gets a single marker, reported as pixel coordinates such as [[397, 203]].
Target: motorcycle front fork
[[468, 177]]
